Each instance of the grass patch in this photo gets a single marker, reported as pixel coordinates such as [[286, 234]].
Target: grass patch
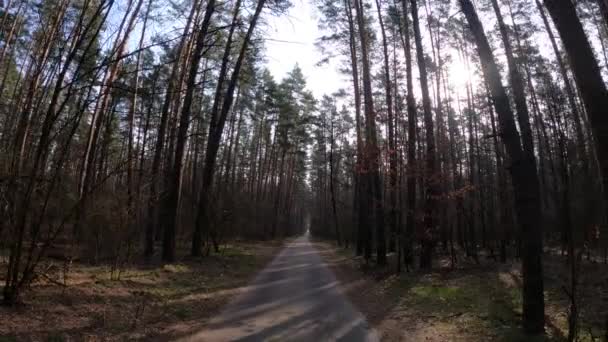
[[176, 268], [55, 338], [8, 339], [231, 251], [437, 295], [473, 302], [183, 312]]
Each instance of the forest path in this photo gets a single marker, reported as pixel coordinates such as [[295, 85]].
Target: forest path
[[295, 298]]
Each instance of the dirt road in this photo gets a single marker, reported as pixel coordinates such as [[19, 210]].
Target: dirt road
[[295, 298]]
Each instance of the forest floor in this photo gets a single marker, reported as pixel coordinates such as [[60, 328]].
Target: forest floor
[[468, 303], [471, 302], [148, 302]]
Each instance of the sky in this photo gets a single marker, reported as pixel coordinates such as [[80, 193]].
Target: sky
[[291, 37], [291, 40]]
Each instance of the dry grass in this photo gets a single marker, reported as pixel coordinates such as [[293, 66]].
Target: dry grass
[[469, 303], [157, 302]]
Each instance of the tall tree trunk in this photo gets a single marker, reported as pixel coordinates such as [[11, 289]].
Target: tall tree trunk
[[13, 282], [132, 155], [442, 140], [216, 127], [517, 84], [170, 219], [332, 186], [87, 169], [525, 182], [502, 184], [371, 151], [160, 140], [359, 195], [428, 235], [578, 127], [411, 146], [587, 76], [392, 152]]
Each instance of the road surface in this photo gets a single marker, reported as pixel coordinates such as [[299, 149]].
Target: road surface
[[295, 298]]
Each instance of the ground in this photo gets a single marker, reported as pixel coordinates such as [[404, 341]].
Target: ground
[[274, 291], [148, 302], [468, 303]]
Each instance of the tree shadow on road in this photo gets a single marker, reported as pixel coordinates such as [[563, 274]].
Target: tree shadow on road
[[295, 298]]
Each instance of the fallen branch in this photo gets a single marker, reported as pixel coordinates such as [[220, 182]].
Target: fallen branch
[[51, 280]]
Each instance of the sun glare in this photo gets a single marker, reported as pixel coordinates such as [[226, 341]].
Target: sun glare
[[459, 75]]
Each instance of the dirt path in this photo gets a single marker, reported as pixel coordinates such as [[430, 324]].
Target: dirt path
[[296, 298]]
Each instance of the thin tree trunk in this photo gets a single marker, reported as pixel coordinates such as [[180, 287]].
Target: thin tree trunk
[[152, 217], [411, 147], [131, 155], [216, 127], [428, 235], [332, 186], [392, 153], [359, 195], [371, 151], [175, 182]]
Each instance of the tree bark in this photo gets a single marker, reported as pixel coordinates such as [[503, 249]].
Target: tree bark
[[216, 127], [525, 182], [392, 153], [170, 219], [160, 140], [411, 146], [428, 235], [357, 198], [371, 151], [587, 76]]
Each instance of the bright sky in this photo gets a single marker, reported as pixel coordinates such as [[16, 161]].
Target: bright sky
[[291, 40]]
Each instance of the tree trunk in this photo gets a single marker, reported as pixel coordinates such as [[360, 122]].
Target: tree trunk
[[371, 151], [392, 153], [170, 219], [358, 196], [160, 142], [216, 127], [428, 235], [587, 76], [411, 147], [332, 186], [525, 182], [132, 155]]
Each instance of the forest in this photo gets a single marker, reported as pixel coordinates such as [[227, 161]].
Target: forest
[[469, 136]]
